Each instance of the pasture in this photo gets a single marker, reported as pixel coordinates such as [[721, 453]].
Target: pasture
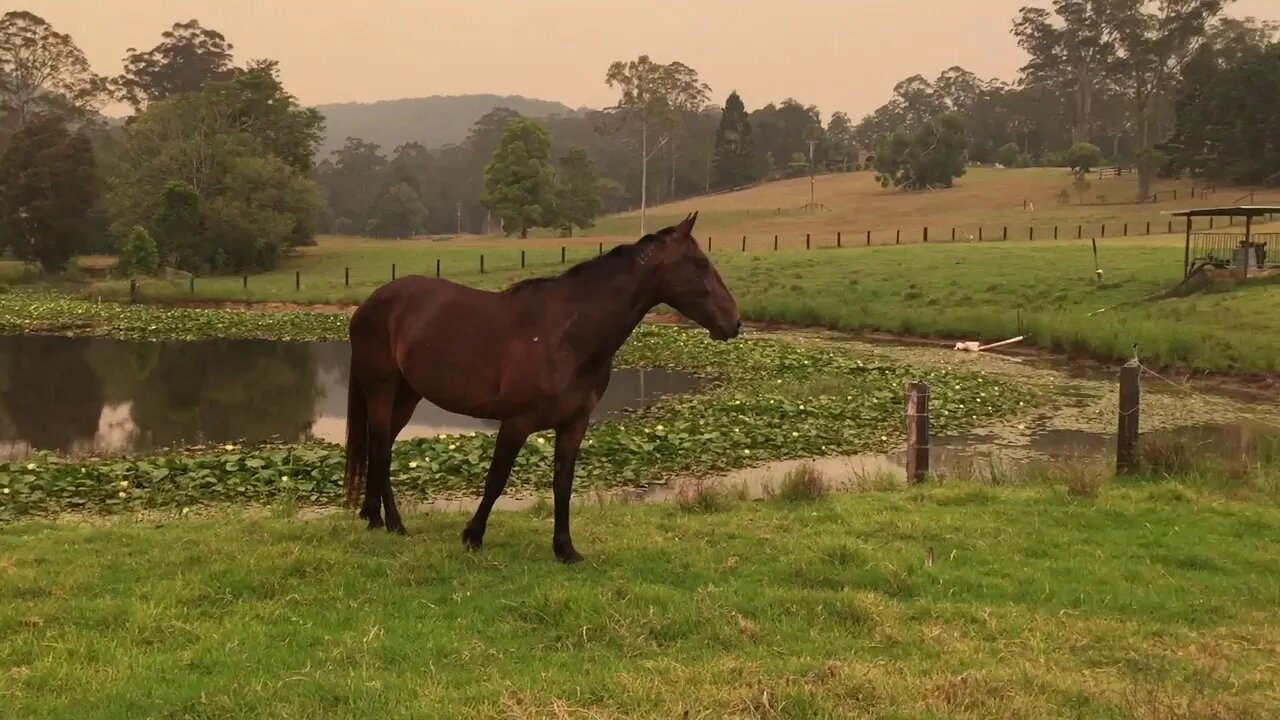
[[1145, 599], [217, 580]]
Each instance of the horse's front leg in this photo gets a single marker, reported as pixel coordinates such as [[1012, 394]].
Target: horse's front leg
[[568, 442], [511, 437]]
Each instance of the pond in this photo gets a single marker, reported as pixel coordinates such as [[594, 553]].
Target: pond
[[99, 396]]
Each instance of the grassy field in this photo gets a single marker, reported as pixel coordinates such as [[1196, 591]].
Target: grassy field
[[1146, 599], [1044, 289]]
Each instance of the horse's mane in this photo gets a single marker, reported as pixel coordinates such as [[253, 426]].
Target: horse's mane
[[620, 258]]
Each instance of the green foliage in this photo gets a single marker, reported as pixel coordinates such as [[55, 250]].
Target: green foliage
[[1008, 154], [138, 254], [177, 225], [735, 163], [931, 156], [48, 188], [188, 57], [241, 151], [1084, 158], [760, 392], [1228, 116], [1024, 161], [398, 213], [520, 183], [43, 72], [577, 191]]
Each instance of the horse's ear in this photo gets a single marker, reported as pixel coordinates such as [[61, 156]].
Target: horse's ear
[[686, 226]]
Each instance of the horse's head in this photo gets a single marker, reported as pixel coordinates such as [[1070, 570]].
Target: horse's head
[[688, 282]]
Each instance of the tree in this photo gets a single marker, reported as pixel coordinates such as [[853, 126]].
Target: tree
[[1154, 44], [398, 213], [244, 146], [1008, 154], [138, 254], [652, 97], [520, 182], [735, 162], [353, 180], [1083, 158], [177, 225], [577, 191], [43, 71], [1228, 117], [1071, 48], [929, 157], [48, 188], [188, 57], [843, 149]]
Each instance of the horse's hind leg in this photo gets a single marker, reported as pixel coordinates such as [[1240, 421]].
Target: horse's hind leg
[[379, 401], [401, 411]]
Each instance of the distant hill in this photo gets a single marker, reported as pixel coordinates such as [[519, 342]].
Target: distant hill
[[433, 121]]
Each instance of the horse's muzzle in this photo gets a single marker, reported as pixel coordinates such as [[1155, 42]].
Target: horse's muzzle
[[729, 332]]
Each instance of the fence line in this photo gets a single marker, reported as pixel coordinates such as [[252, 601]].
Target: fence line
[[528, 257]]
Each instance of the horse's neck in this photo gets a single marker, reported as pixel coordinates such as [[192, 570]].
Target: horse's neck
[[612, 316]]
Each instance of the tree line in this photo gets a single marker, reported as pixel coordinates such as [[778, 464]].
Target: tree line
[[216, 169]]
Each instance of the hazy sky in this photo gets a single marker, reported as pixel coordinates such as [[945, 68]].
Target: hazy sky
[[837, 54]]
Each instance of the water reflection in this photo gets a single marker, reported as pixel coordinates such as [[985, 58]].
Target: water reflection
[[90, 395]]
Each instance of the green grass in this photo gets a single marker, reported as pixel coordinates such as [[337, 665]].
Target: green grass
[[962, 290], [957, 601]]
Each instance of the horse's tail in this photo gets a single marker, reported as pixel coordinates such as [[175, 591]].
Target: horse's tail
[[357, 439]]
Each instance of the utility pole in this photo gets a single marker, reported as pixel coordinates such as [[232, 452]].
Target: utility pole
[[812, 205]]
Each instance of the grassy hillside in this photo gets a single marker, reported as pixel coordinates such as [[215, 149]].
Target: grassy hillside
[[990, 198], [432, 121]]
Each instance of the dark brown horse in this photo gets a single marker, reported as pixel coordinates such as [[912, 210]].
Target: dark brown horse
[[536, 356]]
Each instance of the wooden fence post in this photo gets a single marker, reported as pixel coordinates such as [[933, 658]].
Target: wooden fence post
[[346, 277], [297, 279], [1055, 232], [246, 282], [1079, 231], [708, 243], [521, 259], [561, 254], [437, 267], [744, 243], [897, 239], [868, 238], [1031, 233], [839, 242], [925, 235], [192, 285], [1005, 236], [1126, 230], [481, 263], [1148, 227], [393, 271], [953, 233], [979, 233], [1169, 231], [1104, 230], [1127, 430], [600, 248], [775, 243], [917, 431], [806, 241]]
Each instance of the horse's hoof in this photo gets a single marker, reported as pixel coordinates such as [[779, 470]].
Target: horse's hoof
[[397, 528], [375, 523], [565, 553], [473, 540]]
